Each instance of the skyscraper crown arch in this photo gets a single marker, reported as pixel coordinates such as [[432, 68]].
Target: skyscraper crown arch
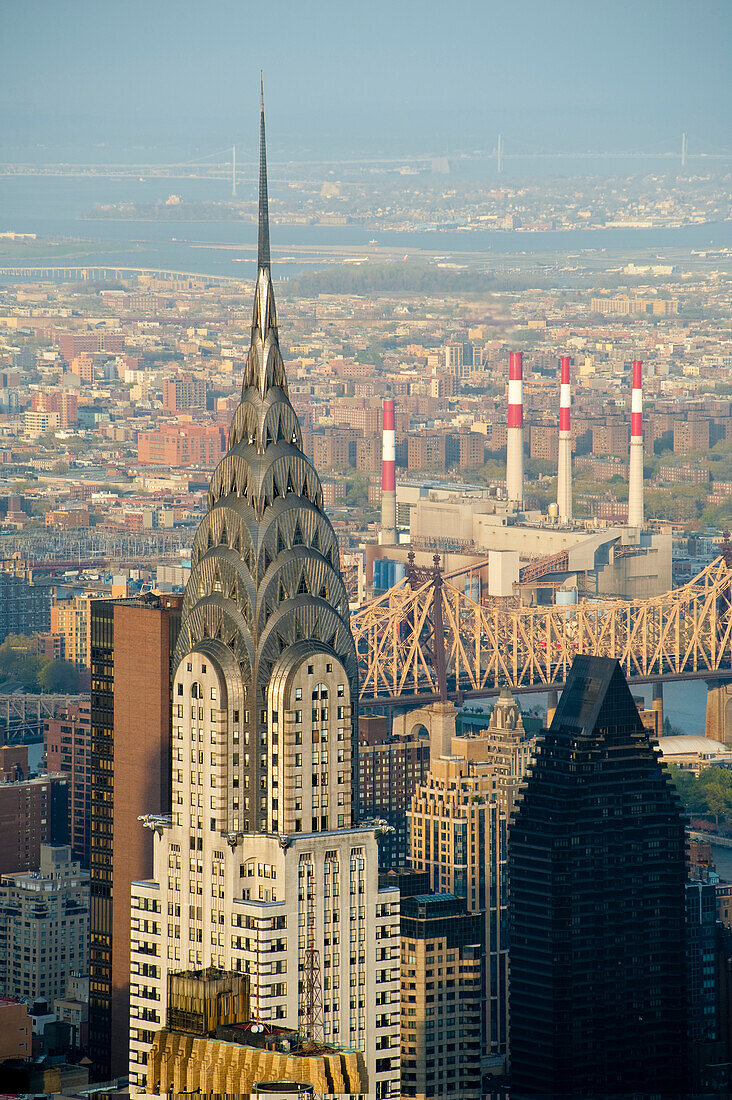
[[265, 561]]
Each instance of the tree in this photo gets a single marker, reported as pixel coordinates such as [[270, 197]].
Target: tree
[[717, 801], [19, 661], [59, 676], [357, 491]]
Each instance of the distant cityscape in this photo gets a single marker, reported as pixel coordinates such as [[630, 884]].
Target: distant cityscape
[[341, 617]]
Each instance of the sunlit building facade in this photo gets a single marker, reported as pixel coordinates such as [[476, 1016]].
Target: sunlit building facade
[[260, 867]]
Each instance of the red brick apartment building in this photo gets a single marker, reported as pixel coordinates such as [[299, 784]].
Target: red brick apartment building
[[68, 750], [181, 445]]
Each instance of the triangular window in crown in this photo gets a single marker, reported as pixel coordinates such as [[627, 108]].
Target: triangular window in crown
[[323, 594], [266, 559], [315, 540], [282, 594], [280, 542], [290, 486], [297, 539], [302, 588], [224, 537]]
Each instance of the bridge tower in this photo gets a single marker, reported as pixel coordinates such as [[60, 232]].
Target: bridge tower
[[719, 711]]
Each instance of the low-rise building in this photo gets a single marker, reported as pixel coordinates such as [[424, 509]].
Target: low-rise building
[[16, 1033]]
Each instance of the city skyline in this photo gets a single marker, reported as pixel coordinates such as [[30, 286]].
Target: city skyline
[[379, 639]]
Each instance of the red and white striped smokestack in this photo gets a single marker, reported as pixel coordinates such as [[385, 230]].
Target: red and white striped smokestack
[[564, 468], [515, 435], [388, 475], [635, 478]]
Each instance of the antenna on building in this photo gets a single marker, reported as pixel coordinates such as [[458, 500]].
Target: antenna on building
[[311, 998]]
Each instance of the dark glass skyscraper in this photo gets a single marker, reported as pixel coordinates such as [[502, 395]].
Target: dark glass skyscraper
[[596, 854]]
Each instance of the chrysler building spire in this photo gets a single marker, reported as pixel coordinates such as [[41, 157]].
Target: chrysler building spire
[[263, 240]]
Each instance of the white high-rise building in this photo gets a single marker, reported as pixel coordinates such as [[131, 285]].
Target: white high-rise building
[[260, 868], [44, 927]]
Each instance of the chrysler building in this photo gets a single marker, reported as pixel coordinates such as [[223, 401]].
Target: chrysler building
[[260, 861]]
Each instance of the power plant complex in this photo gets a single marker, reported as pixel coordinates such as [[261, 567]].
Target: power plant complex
[[514, 550]]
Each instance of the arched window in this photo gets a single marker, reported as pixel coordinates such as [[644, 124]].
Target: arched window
[[320, 691], [196, 691]]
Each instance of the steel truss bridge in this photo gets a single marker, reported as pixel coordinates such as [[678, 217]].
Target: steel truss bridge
[[22, 717], [425, 639]]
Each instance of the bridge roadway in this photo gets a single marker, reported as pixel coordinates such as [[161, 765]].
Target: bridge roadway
[[97, 273], [409, 702], [426, 640]]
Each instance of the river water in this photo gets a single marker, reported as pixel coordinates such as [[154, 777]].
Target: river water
[[684, 703], [52, 207], [722, 862]]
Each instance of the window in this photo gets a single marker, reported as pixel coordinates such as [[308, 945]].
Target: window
[[213, 693]]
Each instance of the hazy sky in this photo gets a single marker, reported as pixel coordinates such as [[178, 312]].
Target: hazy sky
[[346, 76]]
